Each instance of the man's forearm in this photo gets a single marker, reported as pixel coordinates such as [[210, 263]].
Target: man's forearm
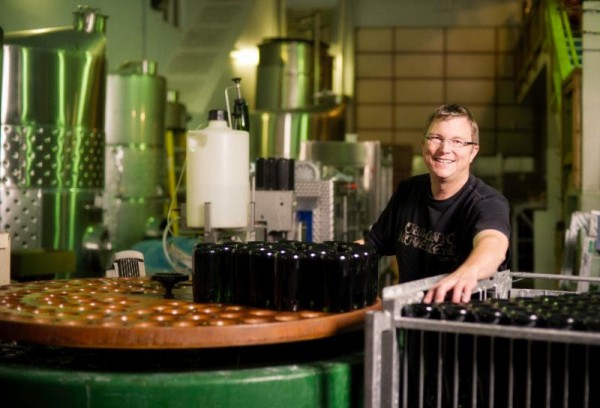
[[489, 251]]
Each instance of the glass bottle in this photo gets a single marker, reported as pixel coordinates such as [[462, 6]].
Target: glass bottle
[[206, 273]]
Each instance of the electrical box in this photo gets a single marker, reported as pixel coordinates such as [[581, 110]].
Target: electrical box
[[276, 208]]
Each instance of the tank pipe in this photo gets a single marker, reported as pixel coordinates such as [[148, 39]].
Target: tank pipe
[[281, 14], [144, 30], [207, 222], [342, 42], [252, 204], [316, 57]]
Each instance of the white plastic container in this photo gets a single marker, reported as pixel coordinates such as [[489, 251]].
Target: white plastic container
[[218, 172]]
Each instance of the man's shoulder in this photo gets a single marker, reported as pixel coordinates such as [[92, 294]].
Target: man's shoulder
[[484, 190], [480, 185]]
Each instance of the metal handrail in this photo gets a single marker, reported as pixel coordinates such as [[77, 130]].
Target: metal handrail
[[386, 374], [562, 39], [572, 48]]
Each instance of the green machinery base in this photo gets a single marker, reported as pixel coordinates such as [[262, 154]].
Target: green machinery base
[[323, 373]]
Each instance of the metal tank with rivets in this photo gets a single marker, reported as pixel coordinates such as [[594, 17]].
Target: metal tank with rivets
[[52, 139], [134, 198]]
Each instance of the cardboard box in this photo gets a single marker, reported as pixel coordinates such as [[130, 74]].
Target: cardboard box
[[590, 257], [4, 258], [589, 263]]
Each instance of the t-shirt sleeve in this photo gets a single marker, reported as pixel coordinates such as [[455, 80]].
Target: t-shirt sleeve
[[493, 213], [383, 234]]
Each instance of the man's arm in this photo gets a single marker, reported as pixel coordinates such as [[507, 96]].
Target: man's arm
[[489, 250]]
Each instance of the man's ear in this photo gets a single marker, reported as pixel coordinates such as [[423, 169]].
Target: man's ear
[[474, 152]]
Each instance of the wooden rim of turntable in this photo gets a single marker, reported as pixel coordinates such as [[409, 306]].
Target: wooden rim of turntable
[[130, 313]]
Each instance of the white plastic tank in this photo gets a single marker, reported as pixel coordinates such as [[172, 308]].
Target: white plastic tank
[[218, 172]]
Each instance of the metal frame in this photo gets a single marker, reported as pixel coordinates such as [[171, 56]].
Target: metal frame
[[383, 353]]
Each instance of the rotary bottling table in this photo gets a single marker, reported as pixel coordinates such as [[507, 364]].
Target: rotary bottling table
[[103, 342]]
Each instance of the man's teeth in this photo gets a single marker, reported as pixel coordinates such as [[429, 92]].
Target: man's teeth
[[444, 161]]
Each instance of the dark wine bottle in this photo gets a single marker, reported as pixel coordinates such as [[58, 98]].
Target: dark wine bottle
[[206, 269]]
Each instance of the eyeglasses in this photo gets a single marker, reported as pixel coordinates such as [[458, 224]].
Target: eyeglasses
[[455, 143]]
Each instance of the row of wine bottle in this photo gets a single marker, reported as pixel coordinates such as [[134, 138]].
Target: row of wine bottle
[[568, 311], [332, 276]]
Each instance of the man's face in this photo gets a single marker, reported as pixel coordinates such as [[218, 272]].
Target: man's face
[[447, 163]]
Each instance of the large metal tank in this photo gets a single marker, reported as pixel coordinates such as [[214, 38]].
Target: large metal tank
[[134, 198], [290, 64], [293, 103], [52, 149]]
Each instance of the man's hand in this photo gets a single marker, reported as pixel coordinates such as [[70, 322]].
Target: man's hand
[[460, 282], [489, 250]]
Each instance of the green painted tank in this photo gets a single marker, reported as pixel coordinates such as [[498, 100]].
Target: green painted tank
[[323, 373]]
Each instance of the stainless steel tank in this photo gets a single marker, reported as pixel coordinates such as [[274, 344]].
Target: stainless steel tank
[[52, 149], [297, 69], [280, 133], [134, 199], [293, 103]]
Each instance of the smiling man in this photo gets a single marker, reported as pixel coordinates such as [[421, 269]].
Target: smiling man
[[447, 221]]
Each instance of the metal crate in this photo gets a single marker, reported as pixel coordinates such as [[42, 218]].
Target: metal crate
[[415, 362]]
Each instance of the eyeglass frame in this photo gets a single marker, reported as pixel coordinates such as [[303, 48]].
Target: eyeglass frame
[[456, 143]]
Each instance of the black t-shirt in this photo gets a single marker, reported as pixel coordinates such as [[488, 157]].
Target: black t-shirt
[[432, 237]]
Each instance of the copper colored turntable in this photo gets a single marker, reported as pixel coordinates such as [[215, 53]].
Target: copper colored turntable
[[131, 313]]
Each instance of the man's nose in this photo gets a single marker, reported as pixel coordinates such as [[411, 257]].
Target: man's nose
[[446, 145]]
